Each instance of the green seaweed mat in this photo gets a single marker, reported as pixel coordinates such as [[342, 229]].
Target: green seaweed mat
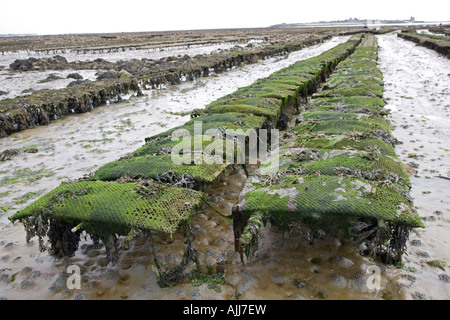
[[159, 207], [330, 201]]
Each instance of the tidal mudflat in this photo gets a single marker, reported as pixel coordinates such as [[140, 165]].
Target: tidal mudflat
[[416, 92]]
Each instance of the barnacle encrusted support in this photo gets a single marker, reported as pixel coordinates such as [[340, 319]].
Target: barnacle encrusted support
[[248, 242], [64, 240], [111, 246], [239, 222], [385, 240], [175, 275], [397, 244], [246, 231]]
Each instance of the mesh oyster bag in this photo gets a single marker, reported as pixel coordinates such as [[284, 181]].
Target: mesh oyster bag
[[117, 205], [329, 201], [157, 166], [358, 164]]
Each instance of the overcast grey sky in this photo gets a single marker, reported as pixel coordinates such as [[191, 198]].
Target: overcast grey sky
[[98, 16]]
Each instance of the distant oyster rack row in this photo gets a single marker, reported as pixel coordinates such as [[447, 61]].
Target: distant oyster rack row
[[41, 107]]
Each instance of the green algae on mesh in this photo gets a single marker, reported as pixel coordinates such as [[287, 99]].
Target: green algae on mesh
[[248, 240], [341, 142], [342, 126], [268, 89], [355, 101], [248, 109], [152, 167], [266, 103], [435, 36], [209, 145], [214, 124], [116, 205], [354, 104], [364, 91], [330, 115], [328, 201], [337, 170], [356, 81], [289, 82], [373, 111], [359, 164], [241, 119], [436, 43], [358, 75]]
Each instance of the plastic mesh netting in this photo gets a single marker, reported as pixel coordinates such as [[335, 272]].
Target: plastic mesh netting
[[156, 167], [267, 107], [327, 115], [359, 164], [354, 141], [213, 125], [354, 104], [150, 206], [341, 126], [184, 144], [329, 201], [356, 101]]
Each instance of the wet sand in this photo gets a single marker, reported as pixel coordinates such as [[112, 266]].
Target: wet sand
[[418, 94]]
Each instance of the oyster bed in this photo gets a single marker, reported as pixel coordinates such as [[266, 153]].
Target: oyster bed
[[309, 274]]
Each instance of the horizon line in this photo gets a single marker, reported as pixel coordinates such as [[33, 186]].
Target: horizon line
[[312, 24]]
